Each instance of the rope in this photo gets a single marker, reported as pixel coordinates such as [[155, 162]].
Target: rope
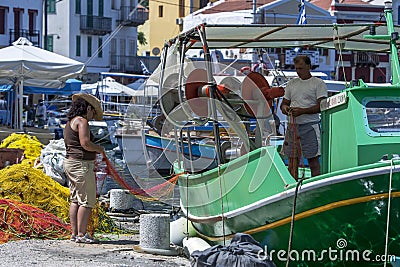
[[340, 59], [295, 148], [187, 207], [388, 211], [292, 220], [222, 203], [296, 159], [105, 138]]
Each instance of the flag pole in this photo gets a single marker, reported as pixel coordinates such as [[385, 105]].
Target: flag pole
[[254, 53]]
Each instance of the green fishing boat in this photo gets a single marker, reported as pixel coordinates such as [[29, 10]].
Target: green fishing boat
[[348, 215]]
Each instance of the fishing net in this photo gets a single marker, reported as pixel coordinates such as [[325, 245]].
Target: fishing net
[[31, 186], [158, 192], [30, 144], [23, 221], [100, 222]]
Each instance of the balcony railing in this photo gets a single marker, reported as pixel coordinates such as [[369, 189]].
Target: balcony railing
[[133, 19], [370, 59], [95, 25], [33, 36], [131, 64]]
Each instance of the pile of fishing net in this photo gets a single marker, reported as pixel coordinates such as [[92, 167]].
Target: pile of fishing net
[[23, 221], [30, 144], [31, 186]]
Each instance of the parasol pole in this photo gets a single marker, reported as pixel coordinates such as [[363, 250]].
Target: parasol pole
[[14, 109], [15, 124], [20, 103]]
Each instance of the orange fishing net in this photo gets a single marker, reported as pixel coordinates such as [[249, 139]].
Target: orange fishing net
[[22, 221], [157, 192]]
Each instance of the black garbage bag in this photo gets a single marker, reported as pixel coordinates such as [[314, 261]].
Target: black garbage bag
[[243, 251]]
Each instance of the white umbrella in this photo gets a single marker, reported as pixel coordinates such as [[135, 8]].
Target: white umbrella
[[108, 86], [22, 63]]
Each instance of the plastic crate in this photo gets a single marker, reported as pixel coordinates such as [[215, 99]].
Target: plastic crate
[[10, 156]]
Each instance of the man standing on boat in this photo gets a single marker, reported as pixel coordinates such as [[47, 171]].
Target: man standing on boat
[[301, 103]]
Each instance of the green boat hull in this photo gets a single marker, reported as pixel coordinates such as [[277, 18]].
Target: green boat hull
[[348, 216], [349, 206]]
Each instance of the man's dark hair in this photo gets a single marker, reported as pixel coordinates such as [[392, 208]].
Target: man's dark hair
[[78, 108], [304, 58]]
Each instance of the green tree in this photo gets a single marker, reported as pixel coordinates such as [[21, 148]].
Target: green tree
[[144, 3], [141, 38]]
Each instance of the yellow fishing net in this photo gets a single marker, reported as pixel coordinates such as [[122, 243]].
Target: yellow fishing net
[[31, 186], [28, 185]]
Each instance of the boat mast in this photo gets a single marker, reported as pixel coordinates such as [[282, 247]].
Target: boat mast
[[392, 36]]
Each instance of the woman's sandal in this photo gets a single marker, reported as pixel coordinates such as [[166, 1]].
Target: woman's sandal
[[87, 239]]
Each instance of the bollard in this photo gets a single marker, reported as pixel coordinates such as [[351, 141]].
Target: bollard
[[154, 231], [121, 200]]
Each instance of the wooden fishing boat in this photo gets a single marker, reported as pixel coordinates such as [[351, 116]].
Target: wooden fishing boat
[[346, 216]]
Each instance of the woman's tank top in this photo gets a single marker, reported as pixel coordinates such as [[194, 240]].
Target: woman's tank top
[[73, 145]]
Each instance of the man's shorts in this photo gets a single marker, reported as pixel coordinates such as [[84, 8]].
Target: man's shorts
[[82, 181], [309, 136]]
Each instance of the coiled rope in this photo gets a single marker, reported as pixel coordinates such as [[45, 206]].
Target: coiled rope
[[295, 158]]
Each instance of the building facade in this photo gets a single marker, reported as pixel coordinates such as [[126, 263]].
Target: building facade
[[21, 18], [368, 66], [166, 21], [101, 33]]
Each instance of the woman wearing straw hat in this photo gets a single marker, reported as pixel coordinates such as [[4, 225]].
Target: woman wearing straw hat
[[79, 163]]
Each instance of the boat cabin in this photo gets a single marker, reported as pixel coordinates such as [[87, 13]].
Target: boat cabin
[[360, 125]]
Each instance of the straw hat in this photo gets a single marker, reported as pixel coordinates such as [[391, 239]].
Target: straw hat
[[94, 102]]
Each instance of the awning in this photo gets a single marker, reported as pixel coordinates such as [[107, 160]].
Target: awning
[[348, 36], [71, 87], [5, 87]]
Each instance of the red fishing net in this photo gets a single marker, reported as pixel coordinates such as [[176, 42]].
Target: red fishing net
[[23, 221]]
